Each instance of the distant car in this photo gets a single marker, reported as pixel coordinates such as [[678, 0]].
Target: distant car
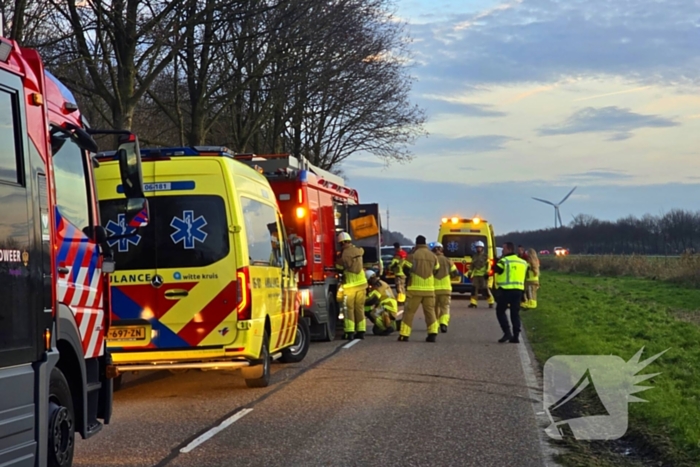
[[560, 251], [499, 251], [544, 252]]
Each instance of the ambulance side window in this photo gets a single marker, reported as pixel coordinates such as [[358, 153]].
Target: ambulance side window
[[9, 155], [70, 180], [262, 233]]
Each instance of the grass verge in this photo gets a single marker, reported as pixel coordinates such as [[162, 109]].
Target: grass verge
[[684, 270], [582, 315]]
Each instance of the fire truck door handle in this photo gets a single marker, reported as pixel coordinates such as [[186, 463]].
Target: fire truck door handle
[[175, 294], [63, 270]]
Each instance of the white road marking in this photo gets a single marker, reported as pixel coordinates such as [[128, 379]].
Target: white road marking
[[548, 452], [211, 433], [351, 343]]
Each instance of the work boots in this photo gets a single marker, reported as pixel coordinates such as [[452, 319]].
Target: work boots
[[514, 339], [490, 305], [507, 336], [443, 328], [431, 338], [348, 336], [472, 305], [403, 338], [360, 335]]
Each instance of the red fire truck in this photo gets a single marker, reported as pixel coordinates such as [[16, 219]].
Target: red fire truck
[[54, 265], [315, 206]]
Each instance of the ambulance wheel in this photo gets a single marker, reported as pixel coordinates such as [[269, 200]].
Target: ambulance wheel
[[298, 350], [258, 375], [332, 324], [61, 422]]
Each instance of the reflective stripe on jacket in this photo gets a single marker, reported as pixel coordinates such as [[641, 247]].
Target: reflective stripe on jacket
[[480, 264], [513, 272], [384, 297], [350, 263], [423, 263], [443, 276]]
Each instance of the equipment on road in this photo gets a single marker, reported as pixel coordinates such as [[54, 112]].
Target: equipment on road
[[56, 264], [212, 281], [316, 206]]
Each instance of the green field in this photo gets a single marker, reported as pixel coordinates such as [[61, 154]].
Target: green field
[[584, 315]]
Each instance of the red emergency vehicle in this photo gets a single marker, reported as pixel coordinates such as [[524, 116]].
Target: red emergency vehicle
[[54, 265], [316, 205]]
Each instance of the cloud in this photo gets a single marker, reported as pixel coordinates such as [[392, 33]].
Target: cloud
[[440, 105], [599, 174], [607, 120], [543, 41], [466, 144]]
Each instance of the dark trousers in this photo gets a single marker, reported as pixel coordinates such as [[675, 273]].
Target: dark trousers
[[508, 298]]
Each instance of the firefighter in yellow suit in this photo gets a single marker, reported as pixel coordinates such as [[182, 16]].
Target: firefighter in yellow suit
[[443, 285], [422, 264], [396, 266], [479, 275], [354, 287], [381, 307]]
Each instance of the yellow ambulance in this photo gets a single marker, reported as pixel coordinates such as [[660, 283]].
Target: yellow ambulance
[[210, 283], [458, 237]]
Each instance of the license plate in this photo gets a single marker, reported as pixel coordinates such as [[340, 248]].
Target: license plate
[[132, 333]]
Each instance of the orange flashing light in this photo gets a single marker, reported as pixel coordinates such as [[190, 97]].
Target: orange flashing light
[[476, 221], [300, 195], [301, 212], [37, 99], [455, 220], [444, 220]]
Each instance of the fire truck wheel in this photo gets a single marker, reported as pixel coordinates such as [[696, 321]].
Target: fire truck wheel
[[61, 421], [117, 383], [258, 375], [331, 325], [298, 350]]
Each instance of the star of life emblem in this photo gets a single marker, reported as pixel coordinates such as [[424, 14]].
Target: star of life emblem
[[188, 230], [119, 229]]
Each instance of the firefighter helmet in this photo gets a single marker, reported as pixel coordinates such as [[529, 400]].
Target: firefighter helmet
[[344, 237]]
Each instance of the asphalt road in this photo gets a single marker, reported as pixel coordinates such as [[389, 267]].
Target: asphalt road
[[462, 401]]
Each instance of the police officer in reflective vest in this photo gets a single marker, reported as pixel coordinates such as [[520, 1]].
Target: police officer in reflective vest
[[422, 264], [354, 286], [510, 285]]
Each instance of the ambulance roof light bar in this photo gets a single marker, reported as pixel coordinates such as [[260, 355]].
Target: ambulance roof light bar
[[456, 220]]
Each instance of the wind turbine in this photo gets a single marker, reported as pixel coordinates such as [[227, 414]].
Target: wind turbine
[[557, 215]]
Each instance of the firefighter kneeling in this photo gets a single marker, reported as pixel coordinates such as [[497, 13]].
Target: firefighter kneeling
[[381, 307]]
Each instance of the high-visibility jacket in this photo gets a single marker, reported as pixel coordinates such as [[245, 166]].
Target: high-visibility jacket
[[480, 265], [531, 277], [511, 272], [397, 264], [443, 276], [423, 263], [382, 296], [350, 263]]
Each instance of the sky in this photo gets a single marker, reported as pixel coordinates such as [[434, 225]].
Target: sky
[[529, 98]]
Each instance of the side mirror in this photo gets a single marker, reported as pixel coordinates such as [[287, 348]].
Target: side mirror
[[299, 257], [129, 155], [136, 212]]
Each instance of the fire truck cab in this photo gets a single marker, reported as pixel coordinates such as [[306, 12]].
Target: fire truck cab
[[316, 205], [53, 268]]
